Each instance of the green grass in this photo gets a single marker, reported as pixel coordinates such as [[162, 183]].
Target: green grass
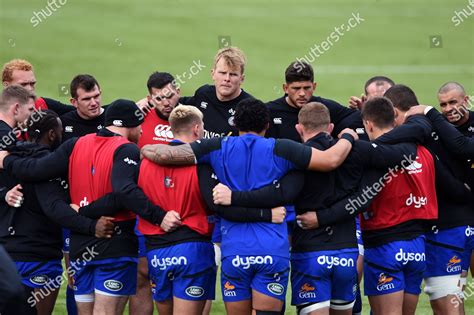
[[121, 42]]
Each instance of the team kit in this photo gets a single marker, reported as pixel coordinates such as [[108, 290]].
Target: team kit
[[146, 200]]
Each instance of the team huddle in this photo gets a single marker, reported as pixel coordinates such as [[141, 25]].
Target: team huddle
[[145, 200]]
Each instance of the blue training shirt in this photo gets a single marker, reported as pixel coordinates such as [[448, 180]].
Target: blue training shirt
[[246, 163]]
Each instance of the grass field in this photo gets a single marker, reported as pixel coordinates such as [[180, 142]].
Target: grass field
[[121, 42]]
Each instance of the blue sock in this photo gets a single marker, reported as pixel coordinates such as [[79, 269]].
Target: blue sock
[[70, 302], [358, 302]]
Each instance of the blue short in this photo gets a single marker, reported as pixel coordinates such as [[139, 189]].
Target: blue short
[[39, 274], [466, 258], [265, 274], [444, 251], [394, 267], [66, 240], [113, 276], [323, 276], [186, 271], [141, 242]]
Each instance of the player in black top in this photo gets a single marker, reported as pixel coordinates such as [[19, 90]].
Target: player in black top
[[299, 89], [218, 102], [374, 87]]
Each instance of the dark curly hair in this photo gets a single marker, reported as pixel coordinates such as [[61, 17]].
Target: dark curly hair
[[251, 115]]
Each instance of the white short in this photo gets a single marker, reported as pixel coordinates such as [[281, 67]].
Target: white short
[[439, 287]]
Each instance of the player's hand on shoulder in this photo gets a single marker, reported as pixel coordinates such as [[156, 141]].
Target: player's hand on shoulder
[[356, 102], [278, 214], [3, 155], [416, 110], [349, 131], [222, 195]]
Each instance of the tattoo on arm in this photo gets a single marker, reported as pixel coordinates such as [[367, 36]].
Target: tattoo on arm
[[169, 155]]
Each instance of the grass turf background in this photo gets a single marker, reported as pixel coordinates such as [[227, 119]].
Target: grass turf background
[[121, 42]]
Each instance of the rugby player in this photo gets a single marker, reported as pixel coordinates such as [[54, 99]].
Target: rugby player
[[299, 87], [105, 283], [394, 223], [39, 211], [247, 284], [374, 87], [162, 97], [446, 237], [20, 72]]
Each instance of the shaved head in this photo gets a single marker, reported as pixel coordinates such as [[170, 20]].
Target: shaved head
[[450, 86]]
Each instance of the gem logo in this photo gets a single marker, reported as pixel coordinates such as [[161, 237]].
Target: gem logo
[[275, 288], [407, 257], [194, 291], [152, 286], [454, 264], [306, 292], [277, 121], [113, 285], [39, 280], [418, 202], [251, 260], [229, 289], [204, 105], [168, 182], [163, 132], [385, 282], [117, 123], [162, 263], [335, 261], [68, 129]]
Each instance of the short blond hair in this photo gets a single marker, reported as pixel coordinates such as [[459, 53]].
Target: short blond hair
[[183, 118], [314, 116], [233, 56], [12, 65]]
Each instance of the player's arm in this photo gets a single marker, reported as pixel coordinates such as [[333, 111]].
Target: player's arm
[[186, 154], [232, 213], [54, 201], [107, 205], [51, 166], [454, 140], [281, 192], [125, 170], [415, 129], [58, 107], [383, 156], [305, 157]]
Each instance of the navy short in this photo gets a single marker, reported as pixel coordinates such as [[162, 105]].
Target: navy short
[[444, 251], [186, 271], [323, 276], [265, 274], [394, 267], [39, 274]]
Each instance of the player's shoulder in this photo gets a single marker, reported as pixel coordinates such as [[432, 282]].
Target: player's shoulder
[[326, 101], [206, 89]]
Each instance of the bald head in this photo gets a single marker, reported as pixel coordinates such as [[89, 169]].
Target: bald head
[[453, 103], [451, 86]]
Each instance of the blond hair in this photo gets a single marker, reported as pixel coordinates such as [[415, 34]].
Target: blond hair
[[12, 65], [233, 57], [314, 116], [183, 118]]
